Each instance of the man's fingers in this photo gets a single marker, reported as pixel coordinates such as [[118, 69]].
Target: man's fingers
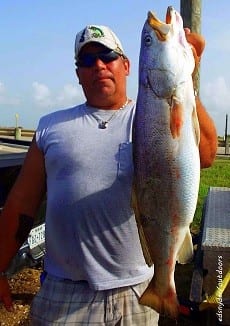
[[187, 30], [8, 303], [5, 295]]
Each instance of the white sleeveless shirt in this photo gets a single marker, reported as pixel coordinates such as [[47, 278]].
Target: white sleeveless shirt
[[91, 233]]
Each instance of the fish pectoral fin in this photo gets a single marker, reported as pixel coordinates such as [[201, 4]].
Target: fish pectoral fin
[[185, 254], [141, 233], [196, 126], [176, 118]]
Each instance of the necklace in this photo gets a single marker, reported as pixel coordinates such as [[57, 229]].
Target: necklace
[[102, 124]]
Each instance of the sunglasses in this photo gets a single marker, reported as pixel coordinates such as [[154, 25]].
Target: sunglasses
[[89, 59]]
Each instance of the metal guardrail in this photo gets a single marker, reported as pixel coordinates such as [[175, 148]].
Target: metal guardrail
[[16, 132], [15, 142]]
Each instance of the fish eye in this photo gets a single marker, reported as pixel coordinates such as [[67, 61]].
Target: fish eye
[[148, 40]]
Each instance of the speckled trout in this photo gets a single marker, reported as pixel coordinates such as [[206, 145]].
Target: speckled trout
[[166, 155]]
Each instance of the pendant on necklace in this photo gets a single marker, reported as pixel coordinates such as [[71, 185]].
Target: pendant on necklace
[[102, 124]]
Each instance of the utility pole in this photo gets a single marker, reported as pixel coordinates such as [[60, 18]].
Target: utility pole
[[226, 136], [191, 14]]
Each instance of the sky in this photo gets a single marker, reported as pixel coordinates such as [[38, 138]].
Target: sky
[[37, 73]]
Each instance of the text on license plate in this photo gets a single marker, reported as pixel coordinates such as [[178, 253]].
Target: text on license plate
[[37, 236]]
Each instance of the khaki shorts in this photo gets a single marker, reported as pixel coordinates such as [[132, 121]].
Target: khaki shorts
[[63, 302]]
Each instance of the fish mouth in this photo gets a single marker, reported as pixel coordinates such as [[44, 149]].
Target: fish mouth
[[161, 28], [169, 14]]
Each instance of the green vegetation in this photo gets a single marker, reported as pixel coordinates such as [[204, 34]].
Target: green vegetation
[[218, 175]]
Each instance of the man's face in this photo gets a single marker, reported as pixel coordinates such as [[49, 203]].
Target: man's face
[[103, 82]]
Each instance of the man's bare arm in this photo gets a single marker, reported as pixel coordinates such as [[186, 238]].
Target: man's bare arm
[[208, 136], [16, 219]]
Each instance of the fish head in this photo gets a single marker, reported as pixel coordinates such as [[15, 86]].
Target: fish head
[[166, 59], [174, 19]]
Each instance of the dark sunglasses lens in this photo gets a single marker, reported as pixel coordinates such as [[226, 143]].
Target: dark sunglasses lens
[[89, 59], [108, 57]]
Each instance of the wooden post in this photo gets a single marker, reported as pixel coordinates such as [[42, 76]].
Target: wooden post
[[191, 14], [226, 136], [18, 133], [18, 130]]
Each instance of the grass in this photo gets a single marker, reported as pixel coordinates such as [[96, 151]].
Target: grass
[[218, 175]]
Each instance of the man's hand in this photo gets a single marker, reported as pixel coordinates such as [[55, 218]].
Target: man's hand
[[5, 295], [208, 134], [197, 43]]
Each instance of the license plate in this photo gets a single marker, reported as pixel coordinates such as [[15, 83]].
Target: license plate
[[37, 236]]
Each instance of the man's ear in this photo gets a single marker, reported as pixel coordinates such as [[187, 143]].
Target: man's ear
[[126, 65], [78, 76]]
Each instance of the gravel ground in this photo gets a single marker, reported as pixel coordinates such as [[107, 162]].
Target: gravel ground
[[25, 284]]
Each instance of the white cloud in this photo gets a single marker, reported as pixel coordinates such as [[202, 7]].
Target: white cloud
[[7, 99], [215, 96], [2, 88], [42, 95], [69, 95]]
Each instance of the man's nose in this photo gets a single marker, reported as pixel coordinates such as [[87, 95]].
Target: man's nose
[[99, 63]]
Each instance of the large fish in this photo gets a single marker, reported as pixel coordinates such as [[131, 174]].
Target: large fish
[[166, 155]]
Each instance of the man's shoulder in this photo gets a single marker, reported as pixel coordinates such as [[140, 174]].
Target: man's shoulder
[[60, 115], [62, 112]]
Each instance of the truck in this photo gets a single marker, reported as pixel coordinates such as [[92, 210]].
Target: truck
[[31, 253]]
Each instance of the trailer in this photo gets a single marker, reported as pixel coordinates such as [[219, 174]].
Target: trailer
[[210, 286]]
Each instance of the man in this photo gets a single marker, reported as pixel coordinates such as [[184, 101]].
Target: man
[[82, 158]]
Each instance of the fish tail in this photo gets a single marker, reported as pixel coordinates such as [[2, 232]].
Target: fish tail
[[167, 305]]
